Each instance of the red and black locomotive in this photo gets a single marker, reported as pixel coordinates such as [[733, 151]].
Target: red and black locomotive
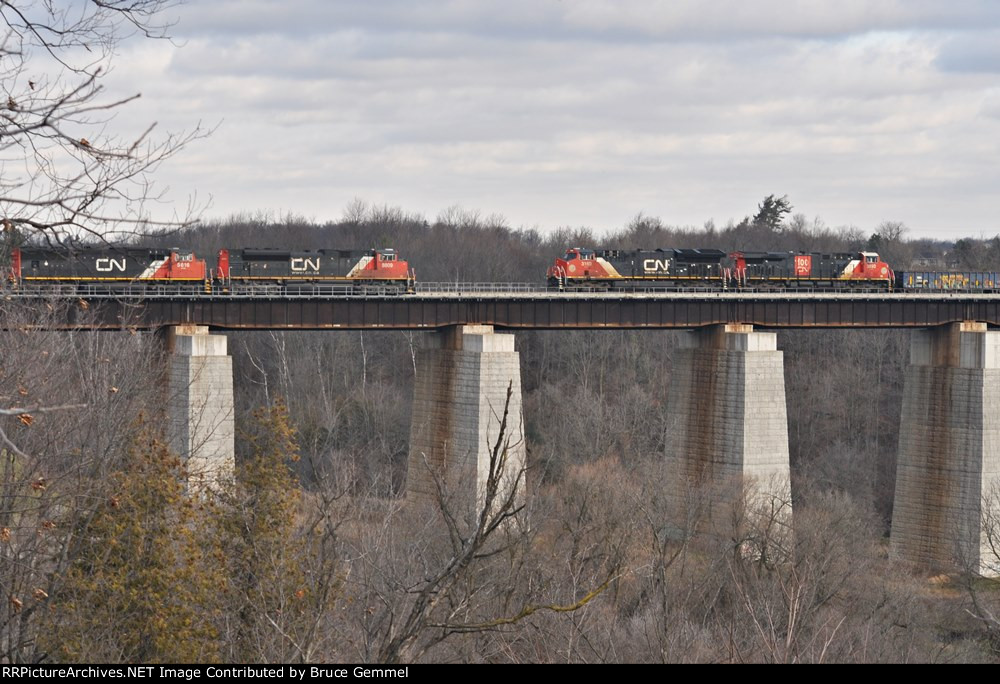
[[373, 267], [31, 265]]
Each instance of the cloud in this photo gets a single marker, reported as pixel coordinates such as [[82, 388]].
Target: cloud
[[627, 20], [732, 19], [585, 112]]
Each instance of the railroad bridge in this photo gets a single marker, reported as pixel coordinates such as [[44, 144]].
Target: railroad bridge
[[727, 392], [518, 307]]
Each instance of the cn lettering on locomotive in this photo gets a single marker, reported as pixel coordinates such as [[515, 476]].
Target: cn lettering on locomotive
[[107, 264], [803, 265], [656, 265], [302, 265]]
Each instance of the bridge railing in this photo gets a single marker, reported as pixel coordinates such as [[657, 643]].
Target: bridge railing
[[425, 289]]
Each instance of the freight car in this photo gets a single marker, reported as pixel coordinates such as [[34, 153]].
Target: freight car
[[936, 281], [115, 268], [607, 269]]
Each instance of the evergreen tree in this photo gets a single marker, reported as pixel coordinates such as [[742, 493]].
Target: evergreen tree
[[141, 587], [772, 211], [273, 600]]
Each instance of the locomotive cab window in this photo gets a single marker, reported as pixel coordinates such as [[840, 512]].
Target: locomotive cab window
[[569, 256], [871, 259], [388, 257]]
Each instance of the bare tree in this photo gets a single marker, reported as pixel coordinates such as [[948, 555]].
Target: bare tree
[[889, 239], [62, 170], [980, 575], [55, 465], [424, 586]]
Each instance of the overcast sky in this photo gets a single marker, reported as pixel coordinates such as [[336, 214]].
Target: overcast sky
[[585, 112]]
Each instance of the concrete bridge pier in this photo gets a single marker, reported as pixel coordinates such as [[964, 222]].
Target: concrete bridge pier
[[200, 403], [947, 502], [459, 396], [727, 440]]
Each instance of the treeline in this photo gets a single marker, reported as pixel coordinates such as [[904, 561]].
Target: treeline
[[314, 555]]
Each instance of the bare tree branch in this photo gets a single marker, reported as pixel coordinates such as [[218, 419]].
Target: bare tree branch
[[20, 410], [63, 174]]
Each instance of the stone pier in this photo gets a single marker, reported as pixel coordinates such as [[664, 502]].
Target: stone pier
[[458, 402], [727, 435], [200, 403], [948, 469]]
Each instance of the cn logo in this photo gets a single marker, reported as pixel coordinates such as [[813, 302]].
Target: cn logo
[[106, 264], [653, 265], [300, 265]]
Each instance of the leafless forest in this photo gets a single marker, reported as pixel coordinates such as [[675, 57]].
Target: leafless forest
[[313, 555]]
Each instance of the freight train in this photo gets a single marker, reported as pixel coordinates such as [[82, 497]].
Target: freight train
[[381, 271], [616, 269], [233, 270]]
